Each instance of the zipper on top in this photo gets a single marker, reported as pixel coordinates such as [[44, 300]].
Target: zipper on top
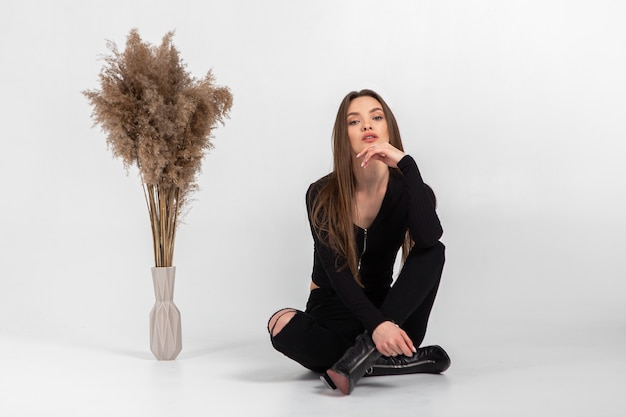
[[364, 248]]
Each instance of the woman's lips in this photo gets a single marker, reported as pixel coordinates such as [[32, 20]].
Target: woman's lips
[[369, 137]]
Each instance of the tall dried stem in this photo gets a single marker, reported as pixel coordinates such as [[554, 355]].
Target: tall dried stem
[[163, 207]]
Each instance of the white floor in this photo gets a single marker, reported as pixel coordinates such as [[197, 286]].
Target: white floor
[[577, 371], [532, 329]]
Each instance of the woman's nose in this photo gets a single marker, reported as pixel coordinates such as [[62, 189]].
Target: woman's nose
[[366, 126]]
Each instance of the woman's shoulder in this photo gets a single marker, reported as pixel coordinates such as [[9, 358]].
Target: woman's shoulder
[[314, 190], [316, 186]]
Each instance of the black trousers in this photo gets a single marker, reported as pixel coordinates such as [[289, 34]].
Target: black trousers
[[317, 337]]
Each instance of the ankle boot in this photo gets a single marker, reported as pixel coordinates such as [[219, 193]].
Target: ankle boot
[[347, 371], [428, 359]]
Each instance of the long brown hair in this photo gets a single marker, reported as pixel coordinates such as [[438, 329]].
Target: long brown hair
[[333, 208]]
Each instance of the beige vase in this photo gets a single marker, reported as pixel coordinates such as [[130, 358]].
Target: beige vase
[[165, 333]]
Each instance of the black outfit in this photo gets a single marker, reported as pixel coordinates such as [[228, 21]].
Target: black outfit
[[340, 310]]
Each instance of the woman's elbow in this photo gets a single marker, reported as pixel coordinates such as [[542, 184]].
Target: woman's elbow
[[429, 240]]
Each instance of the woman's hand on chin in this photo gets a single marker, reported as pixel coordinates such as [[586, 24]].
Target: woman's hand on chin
[[384, 152]]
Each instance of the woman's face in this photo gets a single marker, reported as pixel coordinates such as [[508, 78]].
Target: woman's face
[[367, 124]]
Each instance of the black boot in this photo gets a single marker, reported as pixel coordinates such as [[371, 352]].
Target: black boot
[[347, 371], [428, 359]]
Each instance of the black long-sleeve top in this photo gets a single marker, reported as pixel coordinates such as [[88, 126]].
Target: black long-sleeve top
[[408, 203]]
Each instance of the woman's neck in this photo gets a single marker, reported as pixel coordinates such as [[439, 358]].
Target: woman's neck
[[370, 179]]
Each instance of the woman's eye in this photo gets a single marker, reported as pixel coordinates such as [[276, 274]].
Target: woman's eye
[[378, 118], [353, 122]]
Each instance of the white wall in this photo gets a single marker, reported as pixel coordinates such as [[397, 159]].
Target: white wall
[[514, 111]]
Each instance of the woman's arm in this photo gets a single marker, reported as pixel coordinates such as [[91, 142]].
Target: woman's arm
[[424, 224]]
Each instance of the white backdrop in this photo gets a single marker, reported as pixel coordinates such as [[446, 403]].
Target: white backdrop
[[514, 111]]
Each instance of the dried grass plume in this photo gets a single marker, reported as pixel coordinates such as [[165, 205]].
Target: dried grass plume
[[158, 118]]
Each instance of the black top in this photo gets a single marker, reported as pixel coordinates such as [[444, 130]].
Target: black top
[[408, 203]]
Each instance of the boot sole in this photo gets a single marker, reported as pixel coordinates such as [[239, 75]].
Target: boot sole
[[341, 381]]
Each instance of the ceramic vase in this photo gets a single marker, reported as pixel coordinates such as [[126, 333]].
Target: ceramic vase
[[165, 331]]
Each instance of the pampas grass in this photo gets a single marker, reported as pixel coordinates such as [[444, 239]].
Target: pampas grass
[[158, 118]]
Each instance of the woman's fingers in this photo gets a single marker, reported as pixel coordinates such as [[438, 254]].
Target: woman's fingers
[[406, 344], [403, 344], [382, 152], [391, 340], [399, 348], [370, 153], [408, 349]]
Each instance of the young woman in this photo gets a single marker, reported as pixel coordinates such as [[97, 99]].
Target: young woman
[[373, 203]]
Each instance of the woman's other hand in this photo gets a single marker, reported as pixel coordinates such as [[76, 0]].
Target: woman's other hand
[[391, 340]]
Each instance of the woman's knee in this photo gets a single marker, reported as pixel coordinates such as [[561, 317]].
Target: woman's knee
[[279, 320]]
